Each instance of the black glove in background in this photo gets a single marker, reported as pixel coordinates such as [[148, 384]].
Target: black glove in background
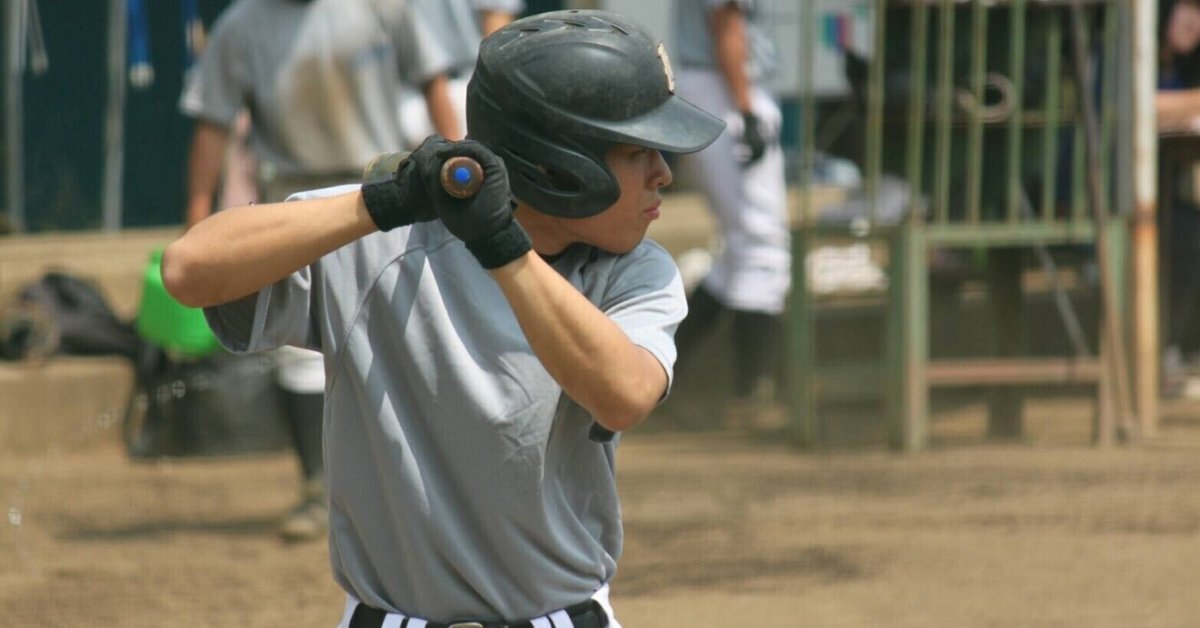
[[752, 139]]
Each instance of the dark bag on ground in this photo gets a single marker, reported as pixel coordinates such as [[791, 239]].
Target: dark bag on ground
[[221, 404], [61, 314]]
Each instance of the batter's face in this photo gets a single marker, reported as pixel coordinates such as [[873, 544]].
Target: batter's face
[[641, 173]]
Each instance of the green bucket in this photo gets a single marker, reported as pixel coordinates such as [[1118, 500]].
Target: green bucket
[[168, 323]]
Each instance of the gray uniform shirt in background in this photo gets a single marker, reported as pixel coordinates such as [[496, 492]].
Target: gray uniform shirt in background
[[320, 78], [461, 479], [693, 38], [455, 26]]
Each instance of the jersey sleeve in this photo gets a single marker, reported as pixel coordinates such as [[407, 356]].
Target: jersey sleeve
[[216, 86], [419, 55], [276, 316], [282, 314], [646, 299]]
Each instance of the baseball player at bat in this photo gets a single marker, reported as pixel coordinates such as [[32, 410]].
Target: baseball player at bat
[[470, 343]]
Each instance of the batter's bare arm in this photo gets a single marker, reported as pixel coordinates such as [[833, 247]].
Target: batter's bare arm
[[245, 249], [593, 360], [242, 250]]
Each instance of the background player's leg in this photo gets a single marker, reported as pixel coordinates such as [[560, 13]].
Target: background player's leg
[[302, 378], [704, 314]]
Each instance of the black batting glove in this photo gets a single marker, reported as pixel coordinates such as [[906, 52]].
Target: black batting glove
[[484, 221], [753, 142], [393, 190]]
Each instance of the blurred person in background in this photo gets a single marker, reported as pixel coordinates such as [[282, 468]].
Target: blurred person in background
[[723, 55], [320, 80], [1178, 109], [458, 26], [1178, 100]]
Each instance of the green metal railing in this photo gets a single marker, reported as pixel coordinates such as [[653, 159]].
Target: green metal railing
[[944, 120], [976, 105]]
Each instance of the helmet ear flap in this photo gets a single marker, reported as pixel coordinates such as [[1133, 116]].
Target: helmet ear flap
[[561, 179], [558, 181]]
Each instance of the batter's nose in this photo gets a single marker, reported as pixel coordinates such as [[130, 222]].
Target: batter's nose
[[660, 172]]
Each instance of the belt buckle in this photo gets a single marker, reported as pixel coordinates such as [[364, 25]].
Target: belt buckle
[[465, 624]]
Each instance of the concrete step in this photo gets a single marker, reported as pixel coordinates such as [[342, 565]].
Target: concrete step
[[114, 260]]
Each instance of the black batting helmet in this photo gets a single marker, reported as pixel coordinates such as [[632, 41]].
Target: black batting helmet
[[553, 92]]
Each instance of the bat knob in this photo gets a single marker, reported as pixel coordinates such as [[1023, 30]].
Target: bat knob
[[461, 177]]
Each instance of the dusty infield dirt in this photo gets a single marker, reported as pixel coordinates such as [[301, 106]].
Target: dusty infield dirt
[[723, 529]]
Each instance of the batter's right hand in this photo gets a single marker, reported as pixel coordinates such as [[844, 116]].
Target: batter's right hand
[[483, 221], [393, 190]]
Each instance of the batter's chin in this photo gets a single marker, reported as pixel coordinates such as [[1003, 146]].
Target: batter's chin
[[618, 248]]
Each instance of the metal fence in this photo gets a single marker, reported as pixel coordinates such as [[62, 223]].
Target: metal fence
[[994, 126]]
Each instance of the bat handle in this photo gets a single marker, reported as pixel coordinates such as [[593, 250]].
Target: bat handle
[[461, 177]]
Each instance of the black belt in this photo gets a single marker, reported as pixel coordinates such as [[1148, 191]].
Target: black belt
[[587, 614]]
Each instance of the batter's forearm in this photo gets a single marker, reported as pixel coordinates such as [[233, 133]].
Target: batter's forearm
[[593, 360], [242, 250]]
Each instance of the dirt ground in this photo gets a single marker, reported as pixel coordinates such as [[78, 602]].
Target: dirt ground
[[723, 529]]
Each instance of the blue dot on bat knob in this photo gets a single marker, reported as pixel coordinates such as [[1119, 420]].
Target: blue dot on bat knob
[[462, 175]]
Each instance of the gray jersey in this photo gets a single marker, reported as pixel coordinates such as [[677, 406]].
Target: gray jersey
[[693, 39], [462, 482], [320, 78], [455, 25]]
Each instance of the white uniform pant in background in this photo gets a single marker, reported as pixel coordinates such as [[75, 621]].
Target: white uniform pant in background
[[752, 270], [300, 371]]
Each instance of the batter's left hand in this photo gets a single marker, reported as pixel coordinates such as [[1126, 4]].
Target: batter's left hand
[[393, 190]]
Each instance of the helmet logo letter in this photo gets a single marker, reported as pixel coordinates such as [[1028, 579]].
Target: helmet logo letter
[[666, 61]]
